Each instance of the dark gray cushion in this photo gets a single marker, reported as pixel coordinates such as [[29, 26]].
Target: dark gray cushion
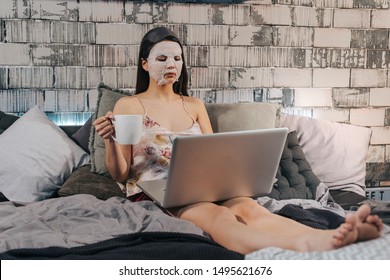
[[82, 181], [81, 136], [295, 176], [6, 120]]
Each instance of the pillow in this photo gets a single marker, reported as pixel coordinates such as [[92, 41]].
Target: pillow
[[295, 176], [36, 158], [81, 136], [336, 152], [243, 116], [6, 120], [106, 101], [82, 181]]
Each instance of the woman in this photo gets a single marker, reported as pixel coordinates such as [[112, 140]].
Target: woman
[[239, 224]]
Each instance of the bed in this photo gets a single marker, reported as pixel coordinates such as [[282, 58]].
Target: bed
[[58, 202]]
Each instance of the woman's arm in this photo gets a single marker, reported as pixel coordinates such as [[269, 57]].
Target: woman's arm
[[201, 114], [118, 157]]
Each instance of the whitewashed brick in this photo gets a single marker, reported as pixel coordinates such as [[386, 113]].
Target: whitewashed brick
[[330, 114], [376, 153], [31, 77], [132, 53], [235, 95], [367, 117], [230, 14], [77, 77], [310, 97], [65, 100], [298, 111], [287, 77], [380, 135], [73, 32], [251, 77], [323, 3], [27, 31], [189, 13], [369, 38], [124, 77], [138, 12], [101, 11], [262, 2], [368, 78], [273, 15], [209, 77], [352, 18], [93, 95], [332, 37], [228, 56], [251, 35], [293, 36], [331, 77], [20, 100], [15, 9], [55, 9], [59, 55], [70, 77], [313, 16], [119, 33], [201, 35], [93, 77], [351, 97], [380, 19], [380, 97], [197, 56], [14, 54], [339, 58], [4, 77], [105, 55]]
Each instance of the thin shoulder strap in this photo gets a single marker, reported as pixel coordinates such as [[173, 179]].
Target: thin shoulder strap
[[142, 104], [186, 109]]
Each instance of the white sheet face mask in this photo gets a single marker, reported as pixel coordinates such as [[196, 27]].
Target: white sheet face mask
[[164, 58]]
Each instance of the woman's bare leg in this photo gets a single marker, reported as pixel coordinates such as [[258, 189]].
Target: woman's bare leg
[[367, 226], [267, 229]]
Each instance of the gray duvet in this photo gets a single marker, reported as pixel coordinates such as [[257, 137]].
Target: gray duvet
[[81, 219]]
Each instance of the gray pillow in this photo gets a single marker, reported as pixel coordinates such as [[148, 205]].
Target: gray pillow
[[106, 101]]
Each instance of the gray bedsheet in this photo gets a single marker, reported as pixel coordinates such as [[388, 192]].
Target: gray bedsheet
[[378, 249], [81, 219]]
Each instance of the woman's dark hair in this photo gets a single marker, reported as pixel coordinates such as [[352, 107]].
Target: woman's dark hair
[[151, 38]]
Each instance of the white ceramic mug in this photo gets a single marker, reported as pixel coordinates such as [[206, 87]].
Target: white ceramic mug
[[128, 129]]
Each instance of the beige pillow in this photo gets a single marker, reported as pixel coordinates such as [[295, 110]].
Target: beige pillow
[[243, 116], [223, 117], [336, 152]]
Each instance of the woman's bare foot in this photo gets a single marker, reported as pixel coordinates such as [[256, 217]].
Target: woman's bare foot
[[368, 226], [323, 240]]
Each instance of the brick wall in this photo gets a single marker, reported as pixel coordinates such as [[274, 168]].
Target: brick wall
[[327, 59]]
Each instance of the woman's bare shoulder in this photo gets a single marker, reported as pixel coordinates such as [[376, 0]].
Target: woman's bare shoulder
[[128, 105], [194, 101]]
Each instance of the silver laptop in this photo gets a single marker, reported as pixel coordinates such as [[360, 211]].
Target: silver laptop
[[220, 166]]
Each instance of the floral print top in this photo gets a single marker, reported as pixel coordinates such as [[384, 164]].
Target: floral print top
[[151, 156]]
